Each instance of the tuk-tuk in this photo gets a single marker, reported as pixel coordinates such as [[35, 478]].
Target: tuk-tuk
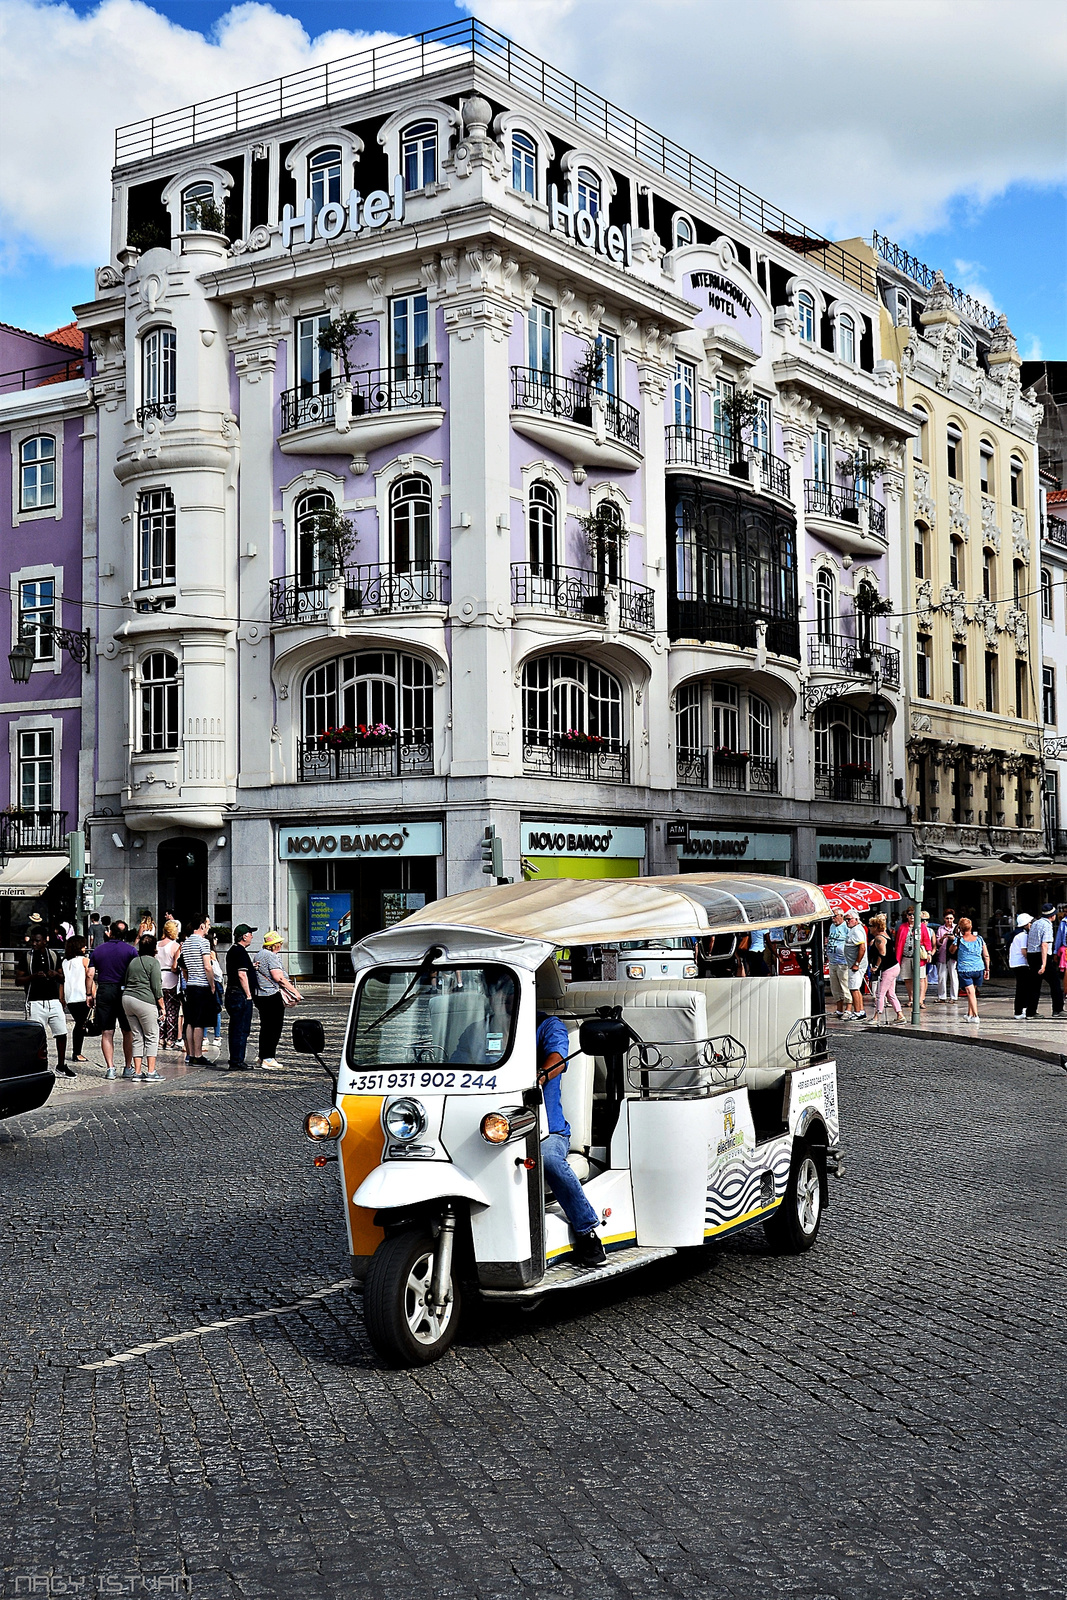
[[696, 1106]]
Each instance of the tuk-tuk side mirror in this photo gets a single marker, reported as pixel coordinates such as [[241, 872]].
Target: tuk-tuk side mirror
[[606, 1034], [309, 1037]]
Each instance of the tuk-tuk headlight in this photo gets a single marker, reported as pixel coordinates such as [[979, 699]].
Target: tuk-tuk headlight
[[635, 972], [500, 1126], [323, 1124], [405, 1119]]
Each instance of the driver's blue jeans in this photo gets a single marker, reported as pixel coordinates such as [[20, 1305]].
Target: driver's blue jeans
[[565, 1186]]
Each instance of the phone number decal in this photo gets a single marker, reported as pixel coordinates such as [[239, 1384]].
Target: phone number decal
[[377, 1082]]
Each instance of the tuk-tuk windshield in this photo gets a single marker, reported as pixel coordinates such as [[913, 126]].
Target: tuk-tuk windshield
[[404, 1016]]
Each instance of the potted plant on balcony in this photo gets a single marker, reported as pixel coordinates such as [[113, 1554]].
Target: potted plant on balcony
[[335, 540], [337, 339], [855, 771], [859, 468], [737, 411], [588, 375], [578, 739], [726, 755], [868, 604], [209, 217]]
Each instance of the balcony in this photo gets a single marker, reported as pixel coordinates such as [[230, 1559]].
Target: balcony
[[852, 782], [399, 757], [606, 763], [728, 769], [699, 450], [845, 517], [583, 595], [371, 590], [855, 657], [32, 832], [713, 623], [377, 408], [584, 425], [1055, 532]]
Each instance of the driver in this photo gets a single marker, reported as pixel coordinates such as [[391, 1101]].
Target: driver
[[552, 1050]]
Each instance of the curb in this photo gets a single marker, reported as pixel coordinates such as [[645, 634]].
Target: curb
[[1056, 1058]]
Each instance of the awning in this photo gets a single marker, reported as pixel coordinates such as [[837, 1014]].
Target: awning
[[25, 877], [1010, 872]]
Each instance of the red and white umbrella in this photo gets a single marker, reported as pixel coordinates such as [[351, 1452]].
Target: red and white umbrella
[[856, 895]]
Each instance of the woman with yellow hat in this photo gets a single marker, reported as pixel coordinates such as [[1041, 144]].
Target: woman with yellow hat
[[274, 990]]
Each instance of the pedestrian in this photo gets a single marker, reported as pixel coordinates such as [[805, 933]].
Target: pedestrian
[[1018, 964], [884, 967], [929, 957], [168, 916], [143, 1000], [972, 964], [855, 962], [107, 972], [76, 991], [836, 934], [905, 953], [755, 960], [96, 931], [40, 973], [948, 984], [199, 991], [240, 992], [213, 940], [66, 929], [146, 925], [1039, 942], [273, 986], [167, 952]]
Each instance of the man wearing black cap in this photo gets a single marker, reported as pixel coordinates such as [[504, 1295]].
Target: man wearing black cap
[[1042, 967], [240, 987]]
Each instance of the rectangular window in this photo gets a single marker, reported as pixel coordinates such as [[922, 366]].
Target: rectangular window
[[1046, 594], [540, 339], [524, 164], [992, 697], [987, 471], [821, 456], [761, 427], [314, 364], [955, 453], [987, 577], [37, 770], [720, 418], [689, 731], [918, 443], [1048, 695], [37, 473], [418, 154], [1022, 698], [1016, 484], [959, 675], [156, 538], [159, 380], [37, 616], [863, 469], [920, 554], [922, 669], [685, 381], [724, 712], [954, 563], [411, 336], [608, 349]]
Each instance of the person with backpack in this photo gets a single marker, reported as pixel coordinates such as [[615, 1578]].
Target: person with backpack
[[972, 964]]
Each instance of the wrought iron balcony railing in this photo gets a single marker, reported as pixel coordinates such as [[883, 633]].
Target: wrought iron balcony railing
[[1055, 531], [857, 656], [608, 763], [752, 774], [32, 832], [401, 756], [714, 452], [380, 389], [373, 588], [843, 503], [163, 410], [577, 592], [571, 400], [714, 623], [851, 783]]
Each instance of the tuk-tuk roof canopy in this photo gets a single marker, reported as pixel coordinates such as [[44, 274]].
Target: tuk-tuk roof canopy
[[568, 911]]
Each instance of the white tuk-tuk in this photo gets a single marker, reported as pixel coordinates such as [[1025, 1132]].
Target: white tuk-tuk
[[697, 1107]]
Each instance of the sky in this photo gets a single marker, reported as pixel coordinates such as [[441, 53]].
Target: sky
[[939, 122]]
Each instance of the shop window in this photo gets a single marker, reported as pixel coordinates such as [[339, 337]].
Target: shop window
[[36, 776], [543, 518], [314, 364], [1048, 696], [992, 685], [159, 701], [825, 603], [540, 339], [685, 384], [563, 694], [324, 177], [156, 538], [37, 616], [588, 187], [959, 675], [192, 199], [159, 372], [806, 316], [313, 563], [846, 339], [1046, 594], [523, 163], [372, 687], [411, 524], [955, 453], [37, 473], [418, 155]]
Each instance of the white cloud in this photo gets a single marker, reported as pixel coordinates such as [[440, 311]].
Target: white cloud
[[849, 115], [66, 82], [1033, 351]]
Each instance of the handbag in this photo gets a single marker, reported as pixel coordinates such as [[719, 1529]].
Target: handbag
[[91, 1028]]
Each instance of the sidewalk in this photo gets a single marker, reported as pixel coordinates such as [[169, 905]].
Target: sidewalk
[[1041, 1037]]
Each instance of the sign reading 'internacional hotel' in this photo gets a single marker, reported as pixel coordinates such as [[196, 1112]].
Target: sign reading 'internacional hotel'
[[350, 841], [723, 297]]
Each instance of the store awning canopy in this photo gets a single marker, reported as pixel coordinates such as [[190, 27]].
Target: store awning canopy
[[25, 877], [1009, 872]]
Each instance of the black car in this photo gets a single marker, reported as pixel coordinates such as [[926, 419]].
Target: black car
[[25, 1078]]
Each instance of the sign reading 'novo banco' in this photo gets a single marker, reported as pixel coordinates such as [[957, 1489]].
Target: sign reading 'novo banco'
[[352, 840], [581, 839]]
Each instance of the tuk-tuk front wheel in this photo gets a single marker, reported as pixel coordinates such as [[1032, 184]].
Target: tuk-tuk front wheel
[[794, 1227], [405, 1327]]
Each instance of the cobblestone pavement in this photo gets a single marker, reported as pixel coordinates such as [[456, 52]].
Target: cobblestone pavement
[[881, 1418]]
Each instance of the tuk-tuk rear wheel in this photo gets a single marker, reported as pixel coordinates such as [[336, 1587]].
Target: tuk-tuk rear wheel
[[404, 1328], [794, 1226]]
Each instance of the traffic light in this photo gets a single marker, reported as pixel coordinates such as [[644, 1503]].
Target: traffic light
[[493, 853], [76, 854], [913, 878]]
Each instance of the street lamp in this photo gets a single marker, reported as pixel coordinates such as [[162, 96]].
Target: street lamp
[[23, 654], [20, 659], [879, 715]]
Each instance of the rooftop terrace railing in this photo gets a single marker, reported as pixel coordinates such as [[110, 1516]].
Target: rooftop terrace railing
[[452, 45], [923, 275]]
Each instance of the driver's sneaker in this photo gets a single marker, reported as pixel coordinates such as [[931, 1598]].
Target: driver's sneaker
[[588, 1251]]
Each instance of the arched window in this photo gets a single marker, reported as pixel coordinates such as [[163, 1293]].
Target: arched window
[[689, 721], [846, 340], [954, 441], [683, 231], [918, 443], [418, 155], [1046, 594], [1016, 481], [825, 603], [685, 384], [314, 563], [37, 473], [159, 372], [844, 753], [159, 701], [588, 187], [955, 562], [543, 520], [410, 519], [806, 316], [375, 687], [155, 537], [607, 544], [921, 554], [759, 728], [192, 198], [324, 177], [523, 163], [567, 694]]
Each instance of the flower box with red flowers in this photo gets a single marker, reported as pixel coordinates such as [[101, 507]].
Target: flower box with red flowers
[[575, 739], [855, 769], [377, 735], [723, 753]]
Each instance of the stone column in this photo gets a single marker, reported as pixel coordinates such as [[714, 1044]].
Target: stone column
[[654, 377]]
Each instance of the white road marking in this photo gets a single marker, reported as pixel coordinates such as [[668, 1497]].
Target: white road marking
[[213, 1327]]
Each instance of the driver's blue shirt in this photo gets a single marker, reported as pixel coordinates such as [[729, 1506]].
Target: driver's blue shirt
[[552, 1040]]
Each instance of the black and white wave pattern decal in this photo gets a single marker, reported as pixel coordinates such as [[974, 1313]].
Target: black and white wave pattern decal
[[738, 1190]]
